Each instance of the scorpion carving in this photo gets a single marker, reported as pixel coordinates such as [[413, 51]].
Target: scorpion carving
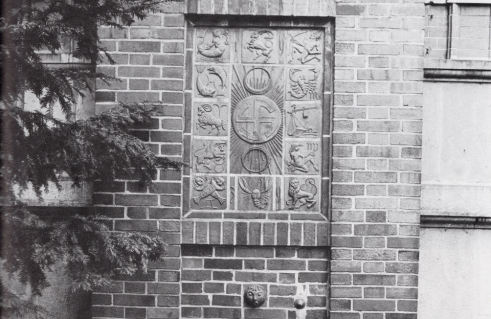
[[300, 86]]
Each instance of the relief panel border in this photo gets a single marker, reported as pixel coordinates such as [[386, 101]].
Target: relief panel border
[[327, 86]]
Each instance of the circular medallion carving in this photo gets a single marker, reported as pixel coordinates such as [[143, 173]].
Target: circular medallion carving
[[257, 119], [257, 81], [255, 160]]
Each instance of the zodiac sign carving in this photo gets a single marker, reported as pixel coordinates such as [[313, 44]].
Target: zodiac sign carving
[[301, 195], [209, 188], [300, 161], [211, 157], [257, 81], [295, 126], [255, 296], [260, 191], [214, 43], [301, 86], [307, 50], [207, 120], [211, 81], [261, 44]]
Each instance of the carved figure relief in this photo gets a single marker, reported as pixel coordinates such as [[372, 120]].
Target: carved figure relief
[[209, 192], [260, 46], [303, 158], [213, 45], [304, 84], [211, 81], [303, 120], [255, 296], [256, 192], [301, 196], [210, 119], [305, 47], [210, 156]]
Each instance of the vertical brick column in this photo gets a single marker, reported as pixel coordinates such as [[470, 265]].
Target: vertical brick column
[[150, 64], [376, 159]]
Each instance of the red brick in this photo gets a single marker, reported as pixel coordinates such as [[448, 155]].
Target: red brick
[[134, 300], [135, 225], [113, 312], [398, 242], [350, 9], [402, 293], [402, 268], [345, 266], [229, 301], [374, 280], [163, 288], [195, 300], [346, 292], [139, 46], [375, 230], [348, 190], [283, 264], [374, 305]]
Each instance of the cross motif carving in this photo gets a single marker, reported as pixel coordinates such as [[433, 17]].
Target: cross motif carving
[[257, 119]]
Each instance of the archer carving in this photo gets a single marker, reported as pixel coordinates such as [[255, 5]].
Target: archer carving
[[305, 47]]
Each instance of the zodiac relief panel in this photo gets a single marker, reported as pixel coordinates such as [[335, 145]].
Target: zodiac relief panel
[[304, 84], [210, 119], [304, 47], [211, 81], [257, 121], [209, 156], [302, 194], [303, 119], [209, 192], [262, 46], [303, 157], [213, 45]]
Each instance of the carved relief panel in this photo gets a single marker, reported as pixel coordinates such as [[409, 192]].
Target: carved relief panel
[[257, 120]]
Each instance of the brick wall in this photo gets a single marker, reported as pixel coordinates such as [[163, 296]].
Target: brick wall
[[376, 159], [150, 65], [214, 279], [375, 194]]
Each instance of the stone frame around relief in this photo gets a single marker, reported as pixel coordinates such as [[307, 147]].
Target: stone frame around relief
[[321, 126]]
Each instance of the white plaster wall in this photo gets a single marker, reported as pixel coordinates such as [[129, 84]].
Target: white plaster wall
[[455, 274], [456, 174]]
